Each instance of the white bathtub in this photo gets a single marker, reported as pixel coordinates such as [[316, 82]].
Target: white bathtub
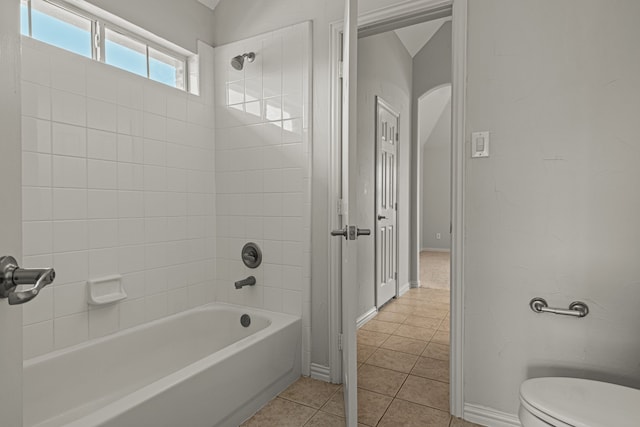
[[197, 368]]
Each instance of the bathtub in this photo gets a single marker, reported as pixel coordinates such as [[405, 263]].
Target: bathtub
[[197, 368]]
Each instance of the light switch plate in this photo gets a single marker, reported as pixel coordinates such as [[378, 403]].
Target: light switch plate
[[480, 144]]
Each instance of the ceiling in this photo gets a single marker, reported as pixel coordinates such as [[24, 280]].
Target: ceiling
[[416, 36], [211, 4]]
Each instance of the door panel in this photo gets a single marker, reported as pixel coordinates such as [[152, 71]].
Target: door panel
[[10, 215], [387, 131], [349, 180]]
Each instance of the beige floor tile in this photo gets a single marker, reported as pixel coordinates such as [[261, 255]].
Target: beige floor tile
[[423, 322], [371, 406], [424, 312], [433, 306], [364, 352], [457, 422], [435, 269], [441, 299], [335, 405], [393, 360], [394, 307], [407, 414], [445, 325], [405, 345], [423, 391], [390, 316], [380, 380], [436, 351], [310, 392], [370, 338], [441, 337], [415, 332], [380, 326], [409, 300], [281, 413], [323, 419], [432, 368]]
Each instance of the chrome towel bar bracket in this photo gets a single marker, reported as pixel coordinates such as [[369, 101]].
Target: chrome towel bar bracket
[[576, 309]]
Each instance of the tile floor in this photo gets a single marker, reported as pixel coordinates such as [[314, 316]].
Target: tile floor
[[403, 373], [403, 367], [435, 269]]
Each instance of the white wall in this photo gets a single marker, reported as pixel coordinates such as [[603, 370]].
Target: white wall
[[263, 172], [431, 69], [436, 184], [182, 22], [554, 211], [117, 179], [384, 69]]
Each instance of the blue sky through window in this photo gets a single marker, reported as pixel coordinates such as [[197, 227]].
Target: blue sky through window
[[57, 32], [61, 34], [162, 72], [125, 58], [24, 20]]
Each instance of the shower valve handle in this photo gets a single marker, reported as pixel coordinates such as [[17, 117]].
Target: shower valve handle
[[12, 276]]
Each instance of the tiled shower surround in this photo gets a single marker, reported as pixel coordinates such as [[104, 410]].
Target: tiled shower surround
[[263, 172], [122, 175], [118, 178]]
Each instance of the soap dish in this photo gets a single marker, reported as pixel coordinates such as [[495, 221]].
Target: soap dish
[[105, 290]]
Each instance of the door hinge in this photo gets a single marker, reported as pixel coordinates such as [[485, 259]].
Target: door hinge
[[340, 69], [396, 206], [397, 137], [396, 276], [340, 342], [341, 207]]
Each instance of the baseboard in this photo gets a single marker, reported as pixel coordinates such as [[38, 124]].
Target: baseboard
[[414, 284], [489, 417], [404, 289], [366, 317], [320, 372], [435, 250]]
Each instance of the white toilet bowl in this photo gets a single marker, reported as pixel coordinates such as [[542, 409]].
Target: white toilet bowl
[[572, 402]]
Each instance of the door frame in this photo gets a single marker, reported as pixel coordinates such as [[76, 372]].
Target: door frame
[[11, 332], [380, 101], [379, 19]]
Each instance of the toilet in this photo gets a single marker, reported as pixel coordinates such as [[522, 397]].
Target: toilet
[[573, 402]]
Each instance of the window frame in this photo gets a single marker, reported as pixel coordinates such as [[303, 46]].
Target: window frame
[[98, 41]]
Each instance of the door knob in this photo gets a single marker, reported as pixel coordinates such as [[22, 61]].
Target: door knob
[[381, 217], [351, 232], [11, 276], [344, 232]]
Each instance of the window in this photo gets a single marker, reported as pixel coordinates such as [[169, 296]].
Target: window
[[56, 26], [123, 52], [62, 25]]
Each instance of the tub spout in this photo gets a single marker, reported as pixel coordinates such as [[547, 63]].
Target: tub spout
[[249, 281]]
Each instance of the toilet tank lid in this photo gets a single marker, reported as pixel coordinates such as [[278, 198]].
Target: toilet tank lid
[[583, 403]]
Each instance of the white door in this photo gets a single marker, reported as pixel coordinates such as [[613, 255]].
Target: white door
[[387, 132], [349, 232], [10, 214]]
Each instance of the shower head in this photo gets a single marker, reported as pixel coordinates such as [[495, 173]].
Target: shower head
[[237, 62]]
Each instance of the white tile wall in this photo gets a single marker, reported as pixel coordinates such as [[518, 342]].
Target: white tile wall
[[118, 178], [263, 170]]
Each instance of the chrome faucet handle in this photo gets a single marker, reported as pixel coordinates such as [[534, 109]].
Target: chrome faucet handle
[[45, 277], [11, 276]]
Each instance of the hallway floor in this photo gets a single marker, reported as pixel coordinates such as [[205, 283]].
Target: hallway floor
[[403, 373], [435, 269]]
